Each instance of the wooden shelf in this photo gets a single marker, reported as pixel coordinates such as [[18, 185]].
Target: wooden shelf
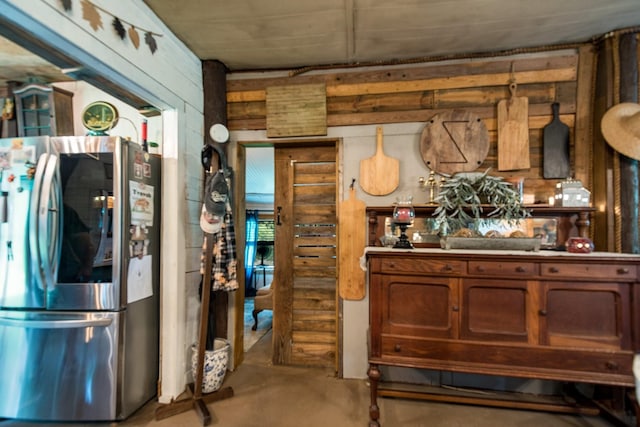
[[571, 221]]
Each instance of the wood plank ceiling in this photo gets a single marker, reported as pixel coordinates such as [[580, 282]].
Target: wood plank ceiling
[[273, 34], [277, 34]]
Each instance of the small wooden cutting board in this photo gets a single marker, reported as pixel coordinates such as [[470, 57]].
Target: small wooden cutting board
[[380, 174], [513, 132], [351, 244]]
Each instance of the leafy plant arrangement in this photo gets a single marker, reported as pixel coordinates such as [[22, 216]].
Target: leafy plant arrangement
[[463, 199]]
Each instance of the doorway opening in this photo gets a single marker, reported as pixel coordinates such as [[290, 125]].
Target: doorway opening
[[305, 324], [259, 250]]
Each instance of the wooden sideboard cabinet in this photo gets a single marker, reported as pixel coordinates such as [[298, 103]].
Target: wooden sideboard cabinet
[[544, 315]]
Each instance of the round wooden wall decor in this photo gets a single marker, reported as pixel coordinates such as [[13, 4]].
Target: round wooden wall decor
[[454, 141]]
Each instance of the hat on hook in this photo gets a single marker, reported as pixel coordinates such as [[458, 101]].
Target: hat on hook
[[216, 194], [210, 223], [621, 128]]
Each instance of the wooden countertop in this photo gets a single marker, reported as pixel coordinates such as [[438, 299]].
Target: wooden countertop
[[475, 252]]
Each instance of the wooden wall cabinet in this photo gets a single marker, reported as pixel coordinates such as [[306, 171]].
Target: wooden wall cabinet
[[545, 315], [44, 110]]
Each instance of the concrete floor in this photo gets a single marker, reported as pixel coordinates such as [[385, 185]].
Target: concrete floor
[[277, 396]]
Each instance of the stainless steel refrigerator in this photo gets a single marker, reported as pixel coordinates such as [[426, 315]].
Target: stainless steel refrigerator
[[79, 278]]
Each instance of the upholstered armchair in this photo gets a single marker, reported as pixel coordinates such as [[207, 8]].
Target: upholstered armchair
[[262, 301]]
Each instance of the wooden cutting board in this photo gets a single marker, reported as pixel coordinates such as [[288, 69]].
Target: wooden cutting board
[[556, 162], [454, 141], [351, 244], [380, 174], [513, 132]]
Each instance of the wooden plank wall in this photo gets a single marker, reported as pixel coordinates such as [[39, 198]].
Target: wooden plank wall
[[415, 93]]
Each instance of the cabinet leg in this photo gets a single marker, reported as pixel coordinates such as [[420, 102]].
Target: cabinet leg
[[374, 410], [636, 407]]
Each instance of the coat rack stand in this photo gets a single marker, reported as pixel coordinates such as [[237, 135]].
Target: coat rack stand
[[197, 400]]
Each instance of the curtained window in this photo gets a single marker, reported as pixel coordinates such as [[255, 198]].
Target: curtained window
[[250, 250]]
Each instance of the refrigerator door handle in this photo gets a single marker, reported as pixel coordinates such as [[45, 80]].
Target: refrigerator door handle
[[49, 218], [104, 229], [34, 233], [55, 324]]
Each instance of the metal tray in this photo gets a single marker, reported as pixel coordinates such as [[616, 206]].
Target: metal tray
[[491, 243]]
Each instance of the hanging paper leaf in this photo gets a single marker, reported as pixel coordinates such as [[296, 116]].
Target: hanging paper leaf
[[117, 25], [66, 4], [134, 36], [90, 13], [148, 38]]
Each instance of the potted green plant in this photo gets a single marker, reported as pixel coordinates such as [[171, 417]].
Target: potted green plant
[[470, 198]]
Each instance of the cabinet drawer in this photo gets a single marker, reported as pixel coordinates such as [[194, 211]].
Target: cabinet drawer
[[591, 271], [435, 266], [502, 268], [603, 367]]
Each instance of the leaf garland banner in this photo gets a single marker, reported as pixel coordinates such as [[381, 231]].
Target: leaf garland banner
[[91, 14]]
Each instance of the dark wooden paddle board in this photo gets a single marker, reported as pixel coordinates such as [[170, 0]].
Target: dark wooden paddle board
[[556, 162]]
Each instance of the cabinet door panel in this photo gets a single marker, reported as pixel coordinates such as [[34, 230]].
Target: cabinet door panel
[[586, 315], [495, 310], [415, 306]]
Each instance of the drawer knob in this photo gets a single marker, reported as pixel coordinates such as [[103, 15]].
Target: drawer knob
[[554, 269], [542, 312], [480, 268], [623, 270], [455, 308], [397, 348], [521, 269], [612, 366], [448, 267]]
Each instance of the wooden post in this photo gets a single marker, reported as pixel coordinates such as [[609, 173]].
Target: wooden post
[[214, 83], [628, 53]]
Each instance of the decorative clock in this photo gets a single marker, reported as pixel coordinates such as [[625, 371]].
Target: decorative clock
[[98, 117]]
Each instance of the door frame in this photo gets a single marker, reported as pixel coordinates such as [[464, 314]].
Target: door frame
[[239, 206]]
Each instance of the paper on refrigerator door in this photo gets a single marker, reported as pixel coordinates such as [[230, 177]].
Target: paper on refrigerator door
[[139, 278], [141, 200]]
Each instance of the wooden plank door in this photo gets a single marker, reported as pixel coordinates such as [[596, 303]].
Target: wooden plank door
[[305, 295]]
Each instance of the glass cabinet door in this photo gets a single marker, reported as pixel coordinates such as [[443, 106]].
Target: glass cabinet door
[[35, 109]]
